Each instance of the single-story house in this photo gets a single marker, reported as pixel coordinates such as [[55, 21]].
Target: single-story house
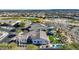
[[40, 37], [36, 37], [10, 22], [36, 26], [3, 34], [76, 17]]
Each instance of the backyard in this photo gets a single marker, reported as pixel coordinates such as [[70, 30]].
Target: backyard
[[54, 39]]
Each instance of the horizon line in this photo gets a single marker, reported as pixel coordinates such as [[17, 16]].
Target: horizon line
[[39, 9]]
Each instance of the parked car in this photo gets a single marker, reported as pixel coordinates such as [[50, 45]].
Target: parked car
[[13, 30], [11, 35]]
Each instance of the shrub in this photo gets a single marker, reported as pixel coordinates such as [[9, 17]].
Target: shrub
[[32, 47]]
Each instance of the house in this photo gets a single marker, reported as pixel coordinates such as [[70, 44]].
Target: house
[[50, 28], [39, 38], [6, 28], [3, 34], [36, 37], [76, 17], [9, 22], [36, 26]]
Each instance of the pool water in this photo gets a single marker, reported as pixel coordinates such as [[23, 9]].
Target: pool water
[[58, 45]]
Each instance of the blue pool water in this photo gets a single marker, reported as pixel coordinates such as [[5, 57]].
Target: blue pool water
[[57, 45]]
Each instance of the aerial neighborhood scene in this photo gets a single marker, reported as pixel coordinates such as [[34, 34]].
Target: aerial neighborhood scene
[[53, 29]]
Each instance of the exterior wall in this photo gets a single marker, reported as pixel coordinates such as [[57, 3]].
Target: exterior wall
[[76, 17], [34, 41], [23, 41], [39, 41]]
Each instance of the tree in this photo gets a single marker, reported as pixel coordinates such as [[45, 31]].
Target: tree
[[32, 47], [22, 24]]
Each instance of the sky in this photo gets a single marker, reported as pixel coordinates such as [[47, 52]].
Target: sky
[[39, 4]]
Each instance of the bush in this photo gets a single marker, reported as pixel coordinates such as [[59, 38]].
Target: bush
[[32, 47], [12, 46], [22, 24], [3, 46]]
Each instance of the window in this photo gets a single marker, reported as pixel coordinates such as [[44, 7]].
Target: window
[[35, 41]]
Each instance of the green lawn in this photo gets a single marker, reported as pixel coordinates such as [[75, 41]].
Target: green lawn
[[14, 18], [33, 19], [53, 39], [22, 19]]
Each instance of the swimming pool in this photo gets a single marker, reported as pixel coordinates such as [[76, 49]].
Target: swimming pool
[[58, 45]]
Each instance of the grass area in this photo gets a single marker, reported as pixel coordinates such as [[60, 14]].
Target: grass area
[[22, 19], [53, 39], [33, 19], [5, 18]]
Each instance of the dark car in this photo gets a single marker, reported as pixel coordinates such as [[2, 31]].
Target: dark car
[[11, 35], [16, 25], [49, 33], [26, 28], [13, 30], [4, 25], [12, 41]]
